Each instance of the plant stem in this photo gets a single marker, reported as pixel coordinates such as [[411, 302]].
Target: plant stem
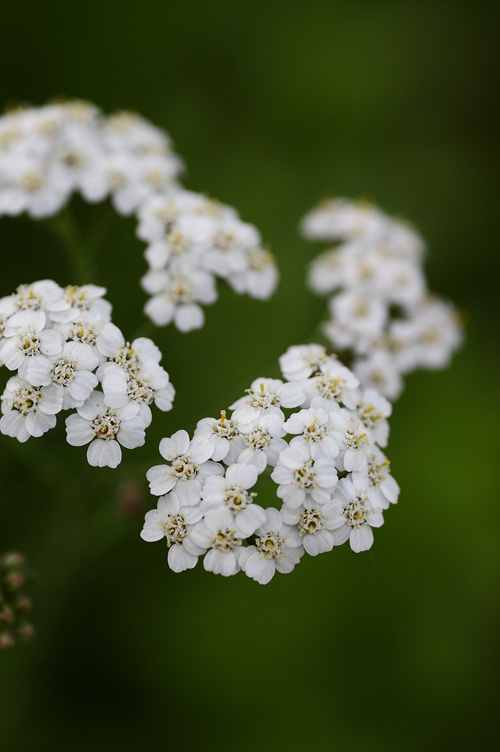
[[65, 228]]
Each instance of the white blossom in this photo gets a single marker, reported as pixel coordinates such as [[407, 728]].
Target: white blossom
[[265, 394], [299, 477], [277, 547], [219, 532], [313, 428], [359, 517], [174, 522], [316, 524], [263, 441], [105, 428], [333, 384], [231, 492], [376, 481], [301, 361], [26, 338], [29, 410], [225, 436], [188, 470], [71, 369]]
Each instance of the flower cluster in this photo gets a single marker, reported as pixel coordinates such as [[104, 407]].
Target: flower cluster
[[191, 240], [382, 312], [62, 344], [14, 604], [331, 474], [47, 153]]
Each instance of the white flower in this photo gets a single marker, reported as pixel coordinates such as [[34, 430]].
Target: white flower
[[316, 524], [313, 427], [175, 523], [435, 332], [352, 440], [111, 343], [377, 482], [86, 330], [300, 477], [78, 300], [327, 272], [277, 547], [35, 297], [28, 410], [301, 361], [71, 369], [379, 371], [140, 388], [342, 218], [224, 435], [263, 441], [362, 315], [373, 409], [159, 214], [359, 517], [265, 394], [176, 296], [188, 470], [105, 428], [220, 533], [333, 384], [231, 492], [229, 240], [260, 278], [25, 337], [132, 373]]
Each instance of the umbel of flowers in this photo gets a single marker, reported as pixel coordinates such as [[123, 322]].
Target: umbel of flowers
[[14, 604], [65, 354], [382, 312], [47, 153], [318, 436]]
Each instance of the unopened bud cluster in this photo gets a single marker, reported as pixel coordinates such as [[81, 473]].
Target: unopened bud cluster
[[382, 312], [14, 604], [48, 153], [323, 456], [68, 354]]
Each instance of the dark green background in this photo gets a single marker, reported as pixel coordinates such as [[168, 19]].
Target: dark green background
[[272, 105]]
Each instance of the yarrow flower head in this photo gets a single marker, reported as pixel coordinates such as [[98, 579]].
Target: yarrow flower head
[[381, 313], [325, 450], [64, 347], [48, 153]]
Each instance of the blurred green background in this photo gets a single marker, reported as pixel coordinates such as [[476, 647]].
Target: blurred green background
[[272, 105]]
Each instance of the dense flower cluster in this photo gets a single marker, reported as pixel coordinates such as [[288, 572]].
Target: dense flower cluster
[[331, 474], [191, 240], [61, 344], [382, 312], [14, 604], [47, 153]]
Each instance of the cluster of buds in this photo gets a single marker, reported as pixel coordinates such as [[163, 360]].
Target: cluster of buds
[[14, 605], [382, 313]]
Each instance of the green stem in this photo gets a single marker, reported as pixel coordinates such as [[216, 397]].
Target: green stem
[[81, 250]]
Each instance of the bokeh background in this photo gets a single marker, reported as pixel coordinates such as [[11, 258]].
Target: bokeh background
[[272, 105]]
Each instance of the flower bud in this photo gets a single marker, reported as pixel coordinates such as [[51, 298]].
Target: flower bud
[[14, 580], [6, 641], [6, 615], [26, 631], [12, 560]]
